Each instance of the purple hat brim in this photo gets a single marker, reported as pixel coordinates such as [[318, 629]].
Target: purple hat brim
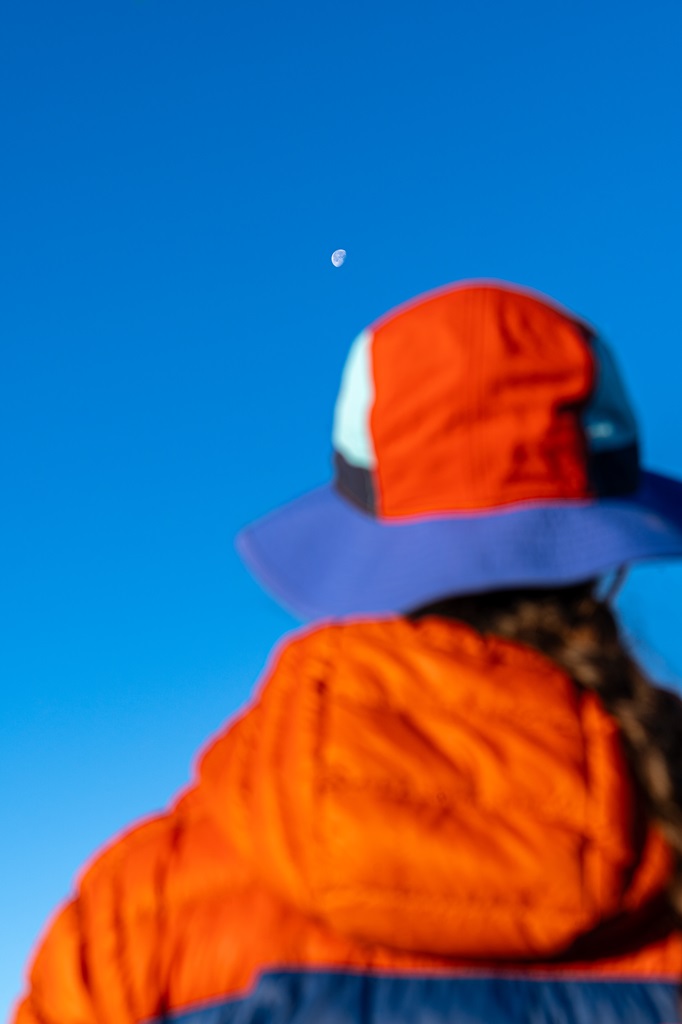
[[321, 557]]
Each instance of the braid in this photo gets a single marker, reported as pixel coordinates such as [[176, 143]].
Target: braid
[[580, 634]]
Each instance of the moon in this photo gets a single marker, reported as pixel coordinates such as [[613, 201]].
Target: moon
[[338, 257]]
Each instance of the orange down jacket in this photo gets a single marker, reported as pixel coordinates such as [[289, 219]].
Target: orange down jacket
[[410, 822]]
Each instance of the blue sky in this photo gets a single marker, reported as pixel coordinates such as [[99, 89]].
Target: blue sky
[[175, 176]]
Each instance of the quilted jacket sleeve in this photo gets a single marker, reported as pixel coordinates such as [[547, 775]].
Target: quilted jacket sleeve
[[99, 961]]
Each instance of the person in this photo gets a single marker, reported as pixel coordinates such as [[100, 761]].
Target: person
[[455, 796]]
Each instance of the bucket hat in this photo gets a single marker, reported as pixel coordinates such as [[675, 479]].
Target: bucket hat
[[483, 440]]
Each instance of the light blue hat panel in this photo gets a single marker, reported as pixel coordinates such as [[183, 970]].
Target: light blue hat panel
[[351, 435]]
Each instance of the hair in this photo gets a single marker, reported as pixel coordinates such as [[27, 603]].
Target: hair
[[580, 633]]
